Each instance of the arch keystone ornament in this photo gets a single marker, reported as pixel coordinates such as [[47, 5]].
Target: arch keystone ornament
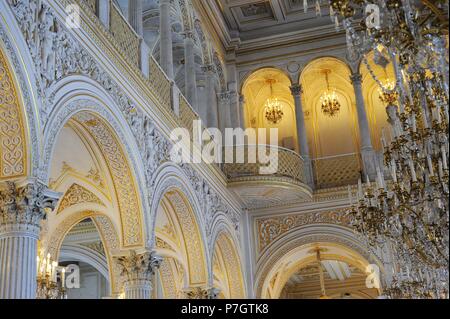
[[22, 207], [138, 270]]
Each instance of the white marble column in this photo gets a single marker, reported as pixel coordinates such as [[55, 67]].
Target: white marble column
[[224, 99], [367, 151], [166, 54], [22, 207], [135, 16], [242, 111], [104, 12], [138, 271], [302, 136], [189, 69]]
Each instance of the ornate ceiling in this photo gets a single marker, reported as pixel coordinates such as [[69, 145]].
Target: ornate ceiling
[[248, 20]]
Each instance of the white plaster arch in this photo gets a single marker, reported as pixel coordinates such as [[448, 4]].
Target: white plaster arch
[[169, 177], [222, 230], [87, 255], [75, 95]]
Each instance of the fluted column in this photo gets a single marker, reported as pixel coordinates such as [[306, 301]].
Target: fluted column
[[201, 293], [367, 152], [189, 68], [242, 111], [166, 55], [209, 109], [22, 207], [302, 136], [224, 110], [135, 16], [137, 271]]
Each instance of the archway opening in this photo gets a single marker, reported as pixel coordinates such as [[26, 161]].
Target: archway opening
[[320, 270], [84, 256]]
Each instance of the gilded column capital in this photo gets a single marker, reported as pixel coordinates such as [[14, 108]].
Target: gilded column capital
[[24, 204], [202, 293], [138, 266], [296, 89]]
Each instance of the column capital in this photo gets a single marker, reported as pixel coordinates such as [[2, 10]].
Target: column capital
[[356, 78], [202, 293], [224, 97], [136, 266], [23, 204], [209, 68], [296, 89], [188, 34]]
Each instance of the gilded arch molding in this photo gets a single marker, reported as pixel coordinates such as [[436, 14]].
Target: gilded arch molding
[[16, 59], [117, 153], [169, 183], [13, 137], [233, 268]]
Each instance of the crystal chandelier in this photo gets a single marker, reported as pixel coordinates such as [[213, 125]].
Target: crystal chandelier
[[48, 286], [273, 109], [329, 99], [411, 208]]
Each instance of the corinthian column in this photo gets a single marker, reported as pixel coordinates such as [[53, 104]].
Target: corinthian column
[[22, 207], [166, 55], [367, 152], [137, 271], [201, 293], [135, 16], [224, 110], [302, 137], [189, 69]]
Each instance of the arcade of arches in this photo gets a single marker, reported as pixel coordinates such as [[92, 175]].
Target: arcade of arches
[[86, 175]]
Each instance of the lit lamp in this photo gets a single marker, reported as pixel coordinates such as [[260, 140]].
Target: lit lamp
[[329, 99], [273, 109], [47, 279]]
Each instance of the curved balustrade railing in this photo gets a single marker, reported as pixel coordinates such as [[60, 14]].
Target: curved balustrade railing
[[335, 171], [288, 164]]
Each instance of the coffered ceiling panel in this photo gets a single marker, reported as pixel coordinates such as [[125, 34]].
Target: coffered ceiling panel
[[260, 18]]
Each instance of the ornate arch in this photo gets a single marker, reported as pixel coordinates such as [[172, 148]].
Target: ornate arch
[[19, 119], [171, 183], [108, 235], [119, 152], [308, 235], [225, 245]]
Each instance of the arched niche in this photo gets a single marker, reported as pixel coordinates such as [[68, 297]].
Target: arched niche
[[264, 84], [329, 136]]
